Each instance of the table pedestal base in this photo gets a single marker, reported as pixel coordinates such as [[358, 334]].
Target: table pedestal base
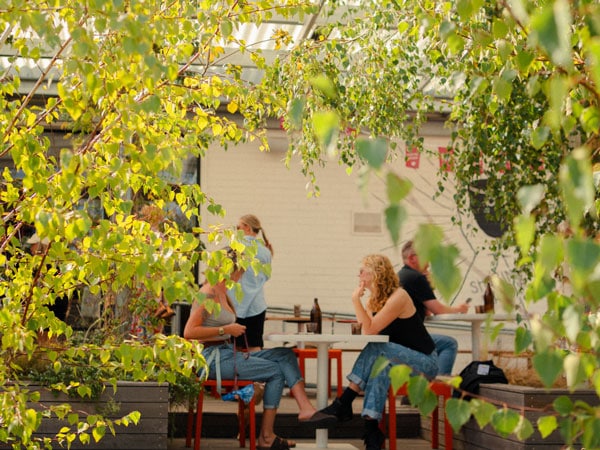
[[330, 445]]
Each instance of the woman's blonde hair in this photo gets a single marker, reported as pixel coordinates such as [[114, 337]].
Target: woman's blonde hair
[[252, 221], [385, 280]]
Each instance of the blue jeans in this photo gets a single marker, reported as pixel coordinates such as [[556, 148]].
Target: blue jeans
[[376, 388], [447, 348], [255, 367], [287, 361]]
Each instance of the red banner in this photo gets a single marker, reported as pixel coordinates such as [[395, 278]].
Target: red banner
[[412, 158]]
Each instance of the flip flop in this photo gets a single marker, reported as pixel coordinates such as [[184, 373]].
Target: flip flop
[[278, 444]]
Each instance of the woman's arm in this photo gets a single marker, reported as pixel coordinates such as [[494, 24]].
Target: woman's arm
[[194, 328], [398, 305]]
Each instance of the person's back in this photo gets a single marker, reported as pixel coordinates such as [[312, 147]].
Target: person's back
[[413, 279], [251, 308]]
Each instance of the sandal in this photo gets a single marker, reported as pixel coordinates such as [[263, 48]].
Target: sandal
[[278, 444]]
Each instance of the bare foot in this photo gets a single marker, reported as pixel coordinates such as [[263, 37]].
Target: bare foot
[[306, 414]]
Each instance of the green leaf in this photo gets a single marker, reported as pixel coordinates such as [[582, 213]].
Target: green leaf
[[395, 215], [482, 411], [417, 387], [525, 233], [563, 405], [548, 364], [529, 197], [458, 413], [524, 428], [226, 28], [577, 185], [552, 30], [506, 421], [503, 291], [591, 437], [550, 253], [397, 188], [323, 84], [539, 137], [499, 28], [574, 370], [502, 88], [445, 272], [373, 151], [326, 125], [522, 339], [546, 425], [428, 239], [590, 119], [524, 60], [98, 433], [380, 364], [399, 376], [296, 112], [583, 256]]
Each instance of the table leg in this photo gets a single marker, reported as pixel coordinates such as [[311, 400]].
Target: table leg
[[300, 344], [322, 388]]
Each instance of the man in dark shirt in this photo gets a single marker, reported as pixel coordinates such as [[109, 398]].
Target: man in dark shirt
[[414, 280]]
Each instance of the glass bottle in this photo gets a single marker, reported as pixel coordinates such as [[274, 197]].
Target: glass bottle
[[315, 315], [488, 299]]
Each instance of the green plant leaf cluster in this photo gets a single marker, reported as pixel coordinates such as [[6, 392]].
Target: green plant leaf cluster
[[105, 107], [518, 84]]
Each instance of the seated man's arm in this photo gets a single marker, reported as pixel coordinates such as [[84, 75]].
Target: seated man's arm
[[436, 307]]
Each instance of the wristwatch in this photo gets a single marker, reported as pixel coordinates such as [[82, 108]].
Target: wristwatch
[[221, 331]]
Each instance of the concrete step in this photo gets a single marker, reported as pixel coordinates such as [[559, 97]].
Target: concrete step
[[220, 421]]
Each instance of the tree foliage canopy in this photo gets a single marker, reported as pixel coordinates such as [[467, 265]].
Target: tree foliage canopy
[[137, 90], [140, 87], [518, 81]]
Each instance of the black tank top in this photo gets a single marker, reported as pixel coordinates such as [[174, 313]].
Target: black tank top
[[410, 333]]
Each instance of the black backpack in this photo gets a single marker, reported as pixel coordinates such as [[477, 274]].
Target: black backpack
[[478, 372]]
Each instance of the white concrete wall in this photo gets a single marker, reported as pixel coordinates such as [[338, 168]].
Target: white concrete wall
[[317, 254]]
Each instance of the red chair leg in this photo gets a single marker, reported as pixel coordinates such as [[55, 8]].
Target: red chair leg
[[392, 418], [329, 377], [198, 430], [241, 424], [252, 408]]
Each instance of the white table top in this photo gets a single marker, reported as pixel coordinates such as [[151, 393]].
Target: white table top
[[325, 338], [471, 317]]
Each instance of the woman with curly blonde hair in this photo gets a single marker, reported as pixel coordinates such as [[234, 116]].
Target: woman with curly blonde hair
[[389, 311]]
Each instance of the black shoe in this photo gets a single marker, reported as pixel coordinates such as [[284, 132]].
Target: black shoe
[[321, 420], [339, 410], [374, 439]]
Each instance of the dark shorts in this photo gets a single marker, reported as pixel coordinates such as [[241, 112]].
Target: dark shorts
[[255, 327]]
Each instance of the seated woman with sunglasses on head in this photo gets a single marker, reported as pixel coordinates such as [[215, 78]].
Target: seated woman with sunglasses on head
[[389, 311], [215, 328]]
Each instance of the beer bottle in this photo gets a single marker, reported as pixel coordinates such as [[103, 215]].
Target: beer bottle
[[315, 315]]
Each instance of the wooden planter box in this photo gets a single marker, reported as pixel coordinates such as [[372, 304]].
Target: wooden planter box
[[471, 437], [149, 398]]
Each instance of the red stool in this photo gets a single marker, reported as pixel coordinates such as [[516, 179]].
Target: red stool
[[439, 388], [334, 353], [228, 385]]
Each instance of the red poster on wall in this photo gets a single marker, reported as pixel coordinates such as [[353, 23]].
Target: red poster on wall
[[412, 158], [445, 155]]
